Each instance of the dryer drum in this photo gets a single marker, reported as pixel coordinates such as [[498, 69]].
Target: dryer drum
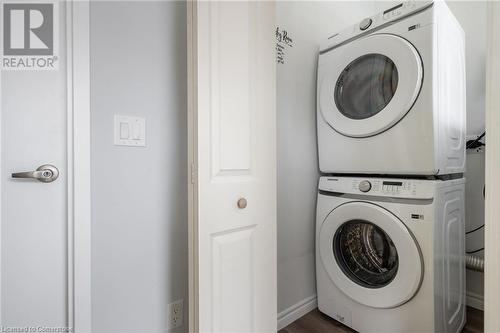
[[365, 253], [366, 86]]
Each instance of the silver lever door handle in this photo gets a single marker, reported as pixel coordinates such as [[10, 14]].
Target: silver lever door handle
[[46, 174]]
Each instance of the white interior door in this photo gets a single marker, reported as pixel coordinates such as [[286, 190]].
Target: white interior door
[[34, 214], [45, 225], [233, 118]]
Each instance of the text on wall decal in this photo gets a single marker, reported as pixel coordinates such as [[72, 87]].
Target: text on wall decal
[[283, 41]]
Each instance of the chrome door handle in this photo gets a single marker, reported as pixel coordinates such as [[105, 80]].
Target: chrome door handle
[[46, 174]]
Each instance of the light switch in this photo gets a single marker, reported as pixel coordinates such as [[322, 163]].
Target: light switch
[[124, 131], [136, 132], [130, 131]]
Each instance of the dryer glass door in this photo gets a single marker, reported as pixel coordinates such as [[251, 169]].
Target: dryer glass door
[[370, 255], [367, 86]]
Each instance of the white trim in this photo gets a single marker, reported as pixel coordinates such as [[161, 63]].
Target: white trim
[[192, 181], [1, 183], [475, 301], [69, 162], [291, 314], [492, 174], [79, 206]]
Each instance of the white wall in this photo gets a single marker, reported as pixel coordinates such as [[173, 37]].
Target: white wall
[[474, 218], [308, 23], [139, 207], [472, 18]]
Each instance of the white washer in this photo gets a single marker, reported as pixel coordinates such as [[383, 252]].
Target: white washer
[[390, 253], [391, 94]]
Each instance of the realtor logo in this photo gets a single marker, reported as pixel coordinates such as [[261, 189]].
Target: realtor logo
[[28, 29], [29, 36]]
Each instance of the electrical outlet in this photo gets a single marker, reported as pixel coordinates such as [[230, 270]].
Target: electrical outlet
[[175, 316]]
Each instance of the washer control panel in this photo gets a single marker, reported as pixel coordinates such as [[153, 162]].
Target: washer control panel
[[365, 24], [365, 186], [386, 187]]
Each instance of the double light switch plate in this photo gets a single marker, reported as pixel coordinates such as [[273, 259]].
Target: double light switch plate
[[130, 131]]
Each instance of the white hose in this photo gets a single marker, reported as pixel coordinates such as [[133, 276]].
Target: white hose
[[474, 263]]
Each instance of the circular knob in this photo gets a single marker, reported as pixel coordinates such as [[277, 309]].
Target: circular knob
[[365, 24], [242, 203], [365, 186]]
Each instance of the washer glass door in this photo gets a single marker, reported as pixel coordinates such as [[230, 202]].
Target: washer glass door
[[367, 86], [365, 253], [370, 255]]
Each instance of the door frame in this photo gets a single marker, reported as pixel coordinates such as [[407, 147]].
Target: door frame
[[78, 165], [192, 127], [492, 175]]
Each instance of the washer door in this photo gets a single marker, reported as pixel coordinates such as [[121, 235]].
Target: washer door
[[370, 84], [370, 255]]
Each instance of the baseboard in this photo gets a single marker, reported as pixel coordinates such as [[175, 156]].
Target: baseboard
[[288, 316], [475, 301], [291, 314]]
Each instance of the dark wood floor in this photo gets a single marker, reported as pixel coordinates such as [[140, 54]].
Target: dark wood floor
[[475, 322], [316, 322]]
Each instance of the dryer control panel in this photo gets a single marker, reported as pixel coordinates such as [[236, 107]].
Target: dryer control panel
[[374, 22], [384, 187], [398, 10]]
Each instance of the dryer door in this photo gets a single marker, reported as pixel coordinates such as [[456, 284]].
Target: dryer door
[[370, 255], [368, 85]]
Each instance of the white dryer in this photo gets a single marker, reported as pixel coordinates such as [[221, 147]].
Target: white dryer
[[391, 94], [390, 253]]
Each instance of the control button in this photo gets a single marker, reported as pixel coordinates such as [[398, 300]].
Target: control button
[[365, 23], [365, 186]]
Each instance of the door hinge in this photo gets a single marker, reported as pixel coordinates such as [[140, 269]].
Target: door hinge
[[193, 173]]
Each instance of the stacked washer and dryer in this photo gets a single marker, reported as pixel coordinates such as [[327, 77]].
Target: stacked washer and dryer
[[391, 137]]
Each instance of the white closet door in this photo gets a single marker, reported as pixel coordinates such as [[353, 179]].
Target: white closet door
[[233, 156]]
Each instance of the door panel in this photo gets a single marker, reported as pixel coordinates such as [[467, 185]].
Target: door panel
[[232, 86], [235, 183], [233, 264], [34, 214]]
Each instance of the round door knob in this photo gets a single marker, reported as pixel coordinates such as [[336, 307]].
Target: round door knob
[[365, 186], [242, 203]]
